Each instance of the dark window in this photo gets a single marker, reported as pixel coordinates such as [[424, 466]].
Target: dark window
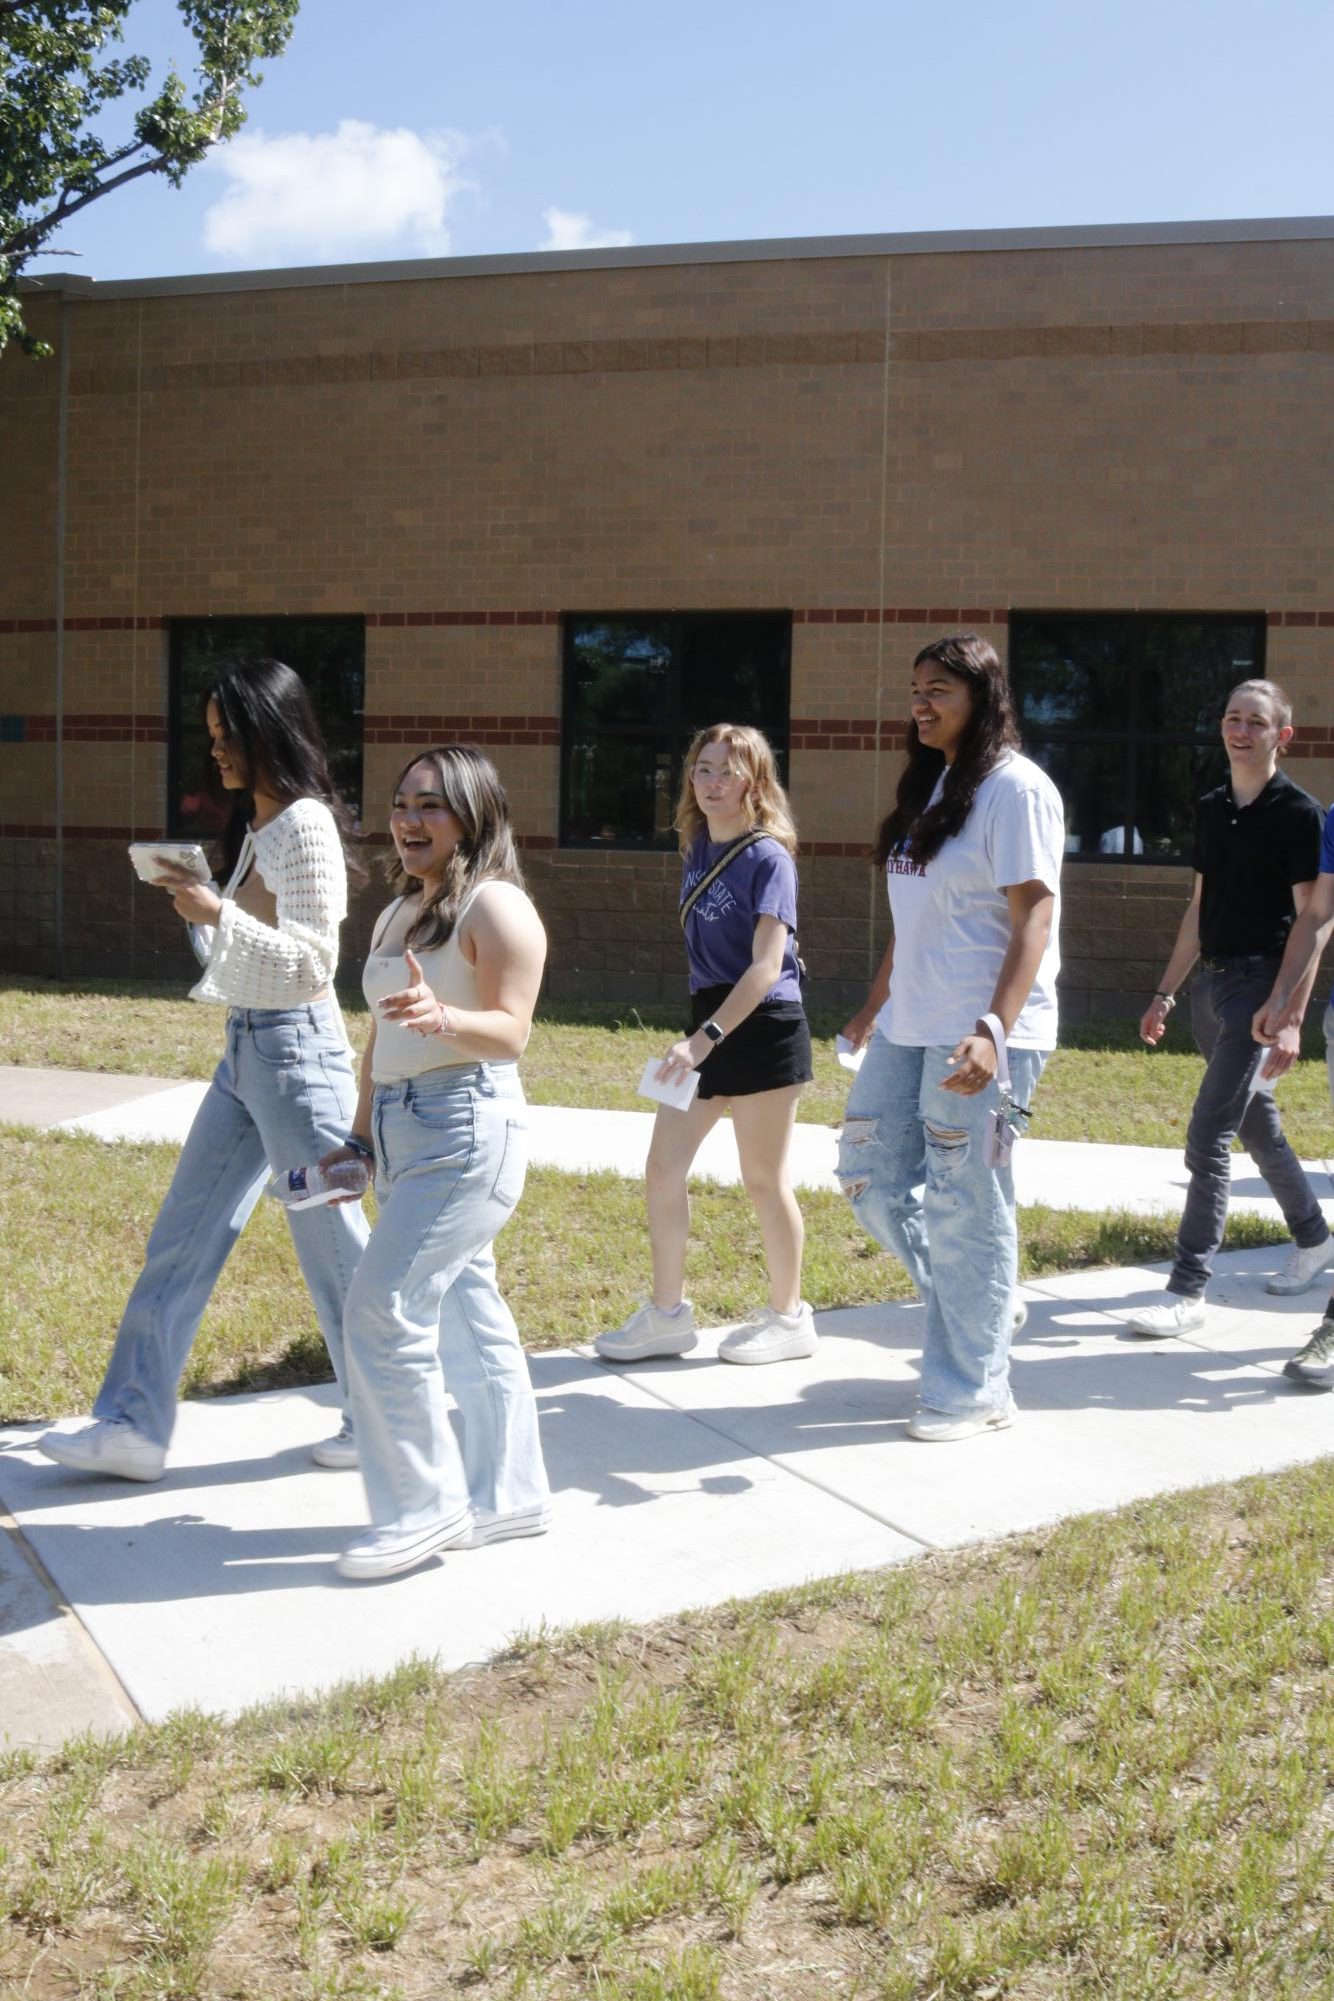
[[1123, 710], [637, 687], [330, 656]]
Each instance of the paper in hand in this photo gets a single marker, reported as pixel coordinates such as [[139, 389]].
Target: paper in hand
[[679, 1093]]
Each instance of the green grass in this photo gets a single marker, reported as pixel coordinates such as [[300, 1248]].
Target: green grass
[[1092, 1763], [1102, 1084], [75, 1215]]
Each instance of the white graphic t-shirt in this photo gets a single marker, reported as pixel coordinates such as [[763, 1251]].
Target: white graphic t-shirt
[[952, 920]]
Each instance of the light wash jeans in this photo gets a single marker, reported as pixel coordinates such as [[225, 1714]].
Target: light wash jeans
[[282, 1095], [910, 1162], [1229, 1103], [424, 1311]]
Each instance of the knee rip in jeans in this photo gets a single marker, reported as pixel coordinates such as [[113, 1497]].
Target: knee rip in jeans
[[856, 1132], [945, 1139]]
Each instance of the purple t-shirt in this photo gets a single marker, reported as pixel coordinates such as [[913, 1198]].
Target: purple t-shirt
[[1327, 855], [720, 930]]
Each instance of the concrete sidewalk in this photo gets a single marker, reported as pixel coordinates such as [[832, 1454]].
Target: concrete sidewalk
[[1061, 1173], [675, 1484]]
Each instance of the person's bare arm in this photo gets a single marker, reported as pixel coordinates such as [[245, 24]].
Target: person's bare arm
[[1278, 1023], [1184, 954], [763, 972], [973, 1059], [858, 1030]]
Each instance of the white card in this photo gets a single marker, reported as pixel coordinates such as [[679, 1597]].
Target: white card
[[850, 1058], [680, 1094]]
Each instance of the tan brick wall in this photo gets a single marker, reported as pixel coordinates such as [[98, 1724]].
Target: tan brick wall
[[943, 435]]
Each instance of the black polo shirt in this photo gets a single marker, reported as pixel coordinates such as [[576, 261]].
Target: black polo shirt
[[1250, 856]]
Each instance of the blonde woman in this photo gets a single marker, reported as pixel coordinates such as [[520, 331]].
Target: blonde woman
[[748, 1038]]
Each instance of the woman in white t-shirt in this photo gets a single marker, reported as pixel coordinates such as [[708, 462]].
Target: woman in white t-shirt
[[453, 976], [972, 853]]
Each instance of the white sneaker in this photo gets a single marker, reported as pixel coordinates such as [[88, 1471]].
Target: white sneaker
[[942, 1427], [110, 1446], [1020, 1316], [769, 1336], [487, 1527], [649, 1332], [338, 1452], [387, 1552], [1160, 1323], [1301, 1267]]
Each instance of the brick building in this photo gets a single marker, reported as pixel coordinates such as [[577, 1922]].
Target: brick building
[[569, 505]]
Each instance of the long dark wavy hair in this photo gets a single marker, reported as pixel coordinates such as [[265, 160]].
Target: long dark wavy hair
[[991, 731], [470, 786], [266, 714]]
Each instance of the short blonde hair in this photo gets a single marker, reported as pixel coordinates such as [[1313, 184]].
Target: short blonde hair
[[766, 803]]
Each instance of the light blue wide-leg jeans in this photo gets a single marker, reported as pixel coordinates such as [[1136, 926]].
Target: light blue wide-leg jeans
[[424, 1313], [911, 1163], [283, 1094]]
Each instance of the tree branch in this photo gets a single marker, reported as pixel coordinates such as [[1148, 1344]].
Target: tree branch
[[24, 241]]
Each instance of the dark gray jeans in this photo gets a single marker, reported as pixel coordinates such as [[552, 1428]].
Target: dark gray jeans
[[1221, 1007]]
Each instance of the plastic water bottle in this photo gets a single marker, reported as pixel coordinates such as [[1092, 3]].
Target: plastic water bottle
[[307, 1187]]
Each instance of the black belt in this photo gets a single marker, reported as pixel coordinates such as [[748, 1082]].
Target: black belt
[[1241, 960]]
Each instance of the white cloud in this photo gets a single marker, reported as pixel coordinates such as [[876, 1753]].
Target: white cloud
[[567, 231], [325, 194]]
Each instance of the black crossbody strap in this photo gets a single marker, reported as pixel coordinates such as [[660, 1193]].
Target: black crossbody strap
[[747, 841]]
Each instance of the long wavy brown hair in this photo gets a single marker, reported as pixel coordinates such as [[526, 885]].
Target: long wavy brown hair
[[991, 731], [470, 786]]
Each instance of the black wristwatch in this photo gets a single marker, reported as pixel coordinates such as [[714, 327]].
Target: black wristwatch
[[712, 1030]]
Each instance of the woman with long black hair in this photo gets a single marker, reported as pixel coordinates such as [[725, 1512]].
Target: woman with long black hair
[[965, 996], [284, 1092]]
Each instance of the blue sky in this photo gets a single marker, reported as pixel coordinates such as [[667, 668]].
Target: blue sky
[[527, 124]]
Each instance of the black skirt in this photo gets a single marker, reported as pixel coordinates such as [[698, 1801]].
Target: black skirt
[[768, 1052]]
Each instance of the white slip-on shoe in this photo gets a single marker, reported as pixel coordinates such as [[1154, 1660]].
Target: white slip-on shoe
[[1160, 1323], [943, 1427], [110, 1446], [338, 1452], [487, 1527], [1300, 1268], [387, 1552], [649, 1333], [769, 1336]]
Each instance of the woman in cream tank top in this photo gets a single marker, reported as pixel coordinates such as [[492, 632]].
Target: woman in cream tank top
[[453, 976]]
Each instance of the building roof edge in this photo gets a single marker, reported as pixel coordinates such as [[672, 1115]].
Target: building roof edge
[[538, 263]]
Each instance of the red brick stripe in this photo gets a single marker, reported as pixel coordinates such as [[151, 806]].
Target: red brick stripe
[[93, 728], [494, 729]]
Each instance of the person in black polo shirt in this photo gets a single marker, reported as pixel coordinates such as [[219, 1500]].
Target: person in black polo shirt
[[1257, 853]]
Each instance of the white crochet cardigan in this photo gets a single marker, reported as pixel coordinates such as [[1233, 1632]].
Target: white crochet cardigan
[[250, 964]]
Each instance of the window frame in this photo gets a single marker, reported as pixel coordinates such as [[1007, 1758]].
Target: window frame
[[178, 627], [1132, 739], [676, 732]]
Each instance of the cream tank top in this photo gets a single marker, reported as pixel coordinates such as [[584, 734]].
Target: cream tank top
[[399, 1052]]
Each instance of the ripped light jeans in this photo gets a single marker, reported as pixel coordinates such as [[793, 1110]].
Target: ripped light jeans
[[424, 1313], [910, 1162]]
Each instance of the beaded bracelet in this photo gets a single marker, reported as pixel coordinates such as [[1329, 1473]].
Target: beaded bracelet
[[1169, 1001]]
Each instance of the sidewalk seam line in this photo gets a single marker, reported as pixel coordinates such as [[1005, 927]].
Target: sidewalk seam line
[[770, 1459]]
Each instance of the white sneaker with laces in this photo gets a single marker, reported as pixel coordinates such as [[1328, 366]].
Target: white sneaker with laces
[[1301, 1268], [387, 1552], [338, 1452], [943, 1427], [487, 1527], [1160, 1323], [110, 1446], [648, 1333], [770, 1336]]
